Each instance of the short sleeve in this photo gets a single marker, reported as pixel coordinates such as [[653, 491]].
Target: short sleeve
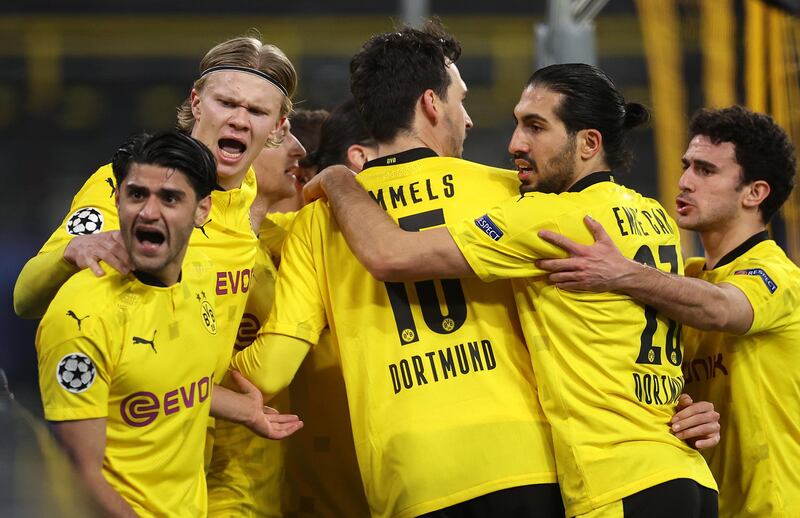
[[503, 243], [769, 292], [74, 374], [299, 309]]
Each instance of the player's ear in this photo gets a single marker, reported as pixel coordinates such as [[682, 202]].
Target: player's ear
[[357, 156], [429, 104], [202, 211], [589, 142], [195, 102], [755, 193]]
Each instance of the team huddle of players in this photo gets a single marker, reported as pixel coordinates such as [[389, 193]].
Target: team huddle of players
[[460, 340]]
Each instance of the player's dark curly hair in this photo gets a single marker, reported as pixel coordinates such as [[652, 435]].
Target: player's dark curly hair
[[392, 70], [763, 149], [171, 149], [343, 128], [591, 101]]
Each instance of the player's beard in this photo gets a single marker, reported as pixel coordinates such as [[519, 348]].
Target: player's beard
[[455, 143], [556, 175]]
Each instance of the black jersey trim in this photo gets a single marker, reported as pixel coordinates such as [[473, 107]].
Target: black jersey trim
[[587, 181], [152, 280], [741, 249], [403, 157]]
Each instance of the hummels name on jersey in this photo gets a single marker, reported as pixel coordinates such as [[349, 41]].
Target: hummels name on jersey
[[442, 364]]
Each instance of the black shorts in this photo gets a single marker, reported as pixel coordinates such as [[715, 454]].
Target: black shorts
[[680, 497], [535, 501]]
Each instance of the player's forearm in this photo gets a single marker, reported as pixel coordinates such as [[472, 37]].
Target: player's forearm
[[692, 302], [230, 405], [106, 497], [271, 361], [39, 281], [375, 239]]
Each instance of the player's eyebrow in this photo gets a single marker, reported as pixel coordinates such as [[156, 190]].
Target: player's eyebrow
[[529, 118], [701, 163]]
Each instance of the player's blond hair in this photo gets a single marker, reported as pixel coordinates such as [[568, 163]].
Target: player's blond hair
[[250, 52]]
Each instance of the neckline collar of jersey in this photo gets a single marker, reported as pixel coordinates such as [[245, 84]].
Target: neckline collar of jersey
[[591, 179], [151, 280], [403, 157], [749, 243]]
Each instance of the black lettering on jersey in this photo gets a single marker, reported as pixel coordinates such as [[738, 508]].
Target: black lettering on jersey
[[449, 187], [664, 221], [709, 365], [110, 182], [397, 195], [431, 196], [622, 231], [652, 389], [151, 342], [72, 314], [649, 218], [378, 197], [464, 359], [413, 191]]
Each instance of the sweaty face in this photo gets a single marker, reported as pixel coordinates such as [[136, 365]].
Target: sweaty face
[[542, 149], [157, 211], [456, 118], [235, 112], [711, 186], [275, 166]]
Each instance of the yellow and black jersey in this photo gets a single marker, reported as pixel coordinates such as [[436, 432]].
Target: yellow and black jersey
[[753, 381], [608, 368], [308, 474], [144, 358], [441, 392], [226, 237]]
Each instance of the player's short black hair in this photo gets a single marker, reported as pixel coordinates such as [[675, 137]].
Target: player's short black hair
[[763, 149], [172, 149], [343, 128], [392, 70], [591, 101]]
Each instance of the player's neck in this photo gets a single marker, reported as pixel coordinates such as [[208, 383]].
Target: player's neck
[[718, 242]]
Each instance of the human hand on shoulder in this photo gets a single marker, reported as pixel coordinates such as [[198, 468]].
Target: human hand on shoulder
[[599, 267], [317, 187], [88, 250]]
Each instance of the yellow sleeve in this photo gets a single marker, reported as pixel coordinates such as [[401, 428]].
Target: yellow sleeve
[[299, 310], [771, 291], [273, 231], [75, 364], [503, 243], [93, 210], [271, 361], [39, 281]]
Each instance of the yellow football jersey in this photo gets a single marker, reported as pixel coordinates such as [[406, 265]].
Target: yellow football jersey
[[754, 383], [250, 475], [441, 392], [226, 237], [608, 368], [144, 358]]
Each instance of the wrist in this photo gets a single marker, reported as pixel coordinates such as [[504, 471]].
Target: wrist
[[629, 276]]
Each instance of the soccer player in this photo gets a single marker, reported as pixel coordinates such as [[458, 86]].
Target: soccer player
[[127, 361], [608, 370], [241, 98], [439, 383], [741, 301]]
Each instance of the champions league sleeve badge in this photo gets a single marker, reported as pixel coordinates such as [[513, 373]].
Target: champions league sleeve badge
[[75, 372], [88, 220]]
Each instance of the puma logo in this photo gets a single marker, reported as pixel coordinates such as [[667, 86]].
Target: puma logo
[[110, 183], [72, 314], [203, 228], [151, 343]]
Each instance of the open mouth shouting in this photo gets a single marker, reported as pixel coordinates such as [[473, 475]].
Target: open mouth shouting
[[682, 205], [149, 239], [231, 150], [524, 169]]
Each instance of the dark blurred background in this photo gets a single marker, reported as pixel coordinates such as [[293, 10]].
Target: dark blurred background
[[76, 80]]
